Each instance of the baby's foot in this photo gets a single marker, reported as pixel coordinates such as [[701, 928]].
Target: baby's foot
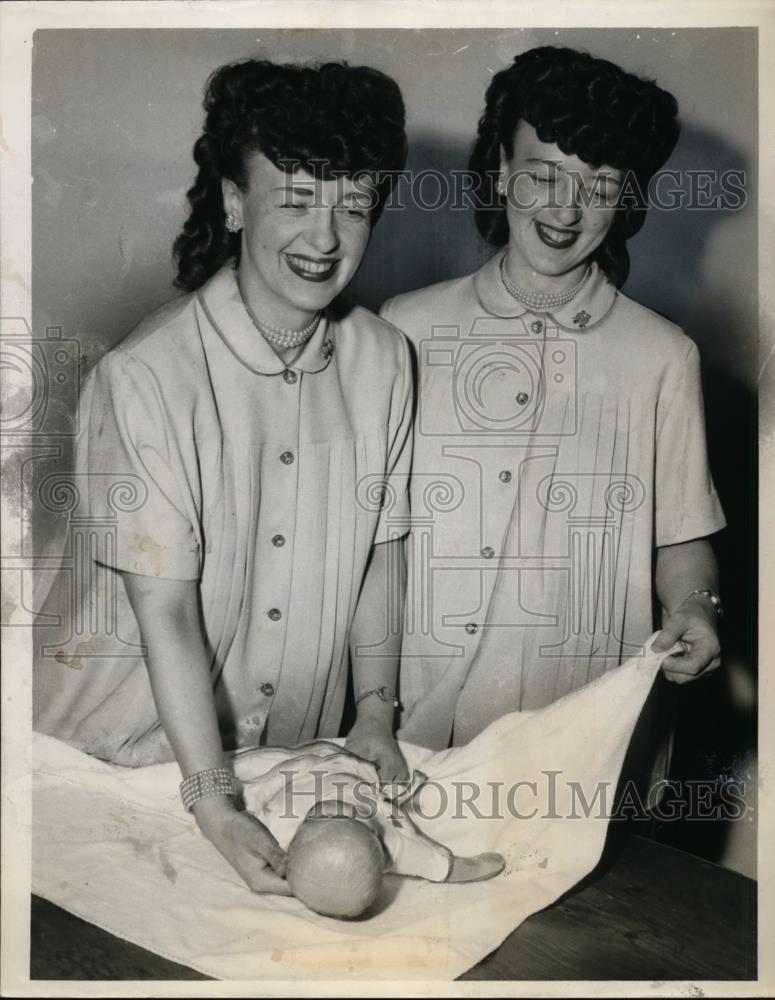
[[476, 869]]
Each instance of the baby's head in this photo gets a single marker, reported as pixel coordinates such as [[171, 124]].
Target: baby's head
[[335, 864]]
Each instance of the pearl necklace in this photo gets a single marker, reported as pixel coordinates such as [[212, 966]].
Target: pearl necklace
[[277, 336], [540, 301]]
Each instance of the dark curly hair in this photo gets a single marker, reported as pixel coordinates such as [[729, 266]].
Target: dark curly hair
[[590, 108], [330, 120]]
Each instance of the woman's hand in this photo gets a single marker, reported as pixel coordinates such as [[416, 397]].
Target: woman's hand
[[682, 569], [372, 738], [695, 625], [246, 844]]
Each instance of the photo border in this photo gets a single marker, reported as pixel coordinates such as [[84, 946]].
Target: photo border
[[18, 21]]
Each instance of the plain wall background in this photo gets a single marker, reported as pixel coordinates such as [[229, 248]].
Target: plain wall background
[[115, 115]]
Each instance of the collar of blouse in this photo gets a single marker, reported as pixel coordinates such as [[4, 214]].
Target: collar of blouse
[[223, 305], [593, 302]]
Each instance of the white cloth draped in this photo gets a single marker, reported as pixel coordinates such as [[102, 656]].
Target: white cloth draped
[[113, 846]]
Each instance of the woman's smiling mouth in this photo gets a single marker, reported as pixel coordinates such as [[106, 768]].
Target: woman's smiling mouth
[[310, 269], [558, 239]]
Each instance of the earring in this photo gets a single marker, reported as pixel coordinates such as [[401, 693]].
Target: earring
[[233, 224], [500, 185]]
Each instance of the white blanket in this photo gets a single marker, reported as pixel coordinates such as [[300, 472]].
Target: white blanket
[[114, 846]]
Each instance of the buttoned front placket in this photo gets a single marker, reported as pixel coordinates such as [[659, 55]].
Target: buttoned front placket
[[524, 399], [279, 528], [266, 435], [537, 394], [513, 407], [299, 476]]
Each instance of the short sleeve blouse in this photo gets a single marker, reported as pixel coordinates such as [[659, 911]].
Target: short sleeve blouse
[[203, 457], [553, 453]]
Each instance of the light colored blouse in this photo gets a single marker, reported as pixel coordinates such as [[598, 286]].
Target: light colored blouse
[[553, 453], [253, 478]]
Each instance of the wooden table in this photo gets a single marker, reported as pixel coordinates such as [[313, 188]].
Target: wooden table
[[647, 912]]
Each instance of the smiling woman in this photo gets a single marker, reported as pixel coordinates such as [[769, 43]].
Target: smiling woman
[[569, 417], [559, 210], [303, 239], [245, 414]]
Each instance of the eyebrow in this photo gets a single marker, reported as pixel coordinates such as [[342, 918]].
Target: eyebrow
[[555, 165], [362, 197]]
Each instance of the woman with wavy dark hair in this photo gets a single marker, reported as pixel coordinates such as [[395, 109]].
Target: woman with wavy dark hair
[[265, 427], [564, 419]]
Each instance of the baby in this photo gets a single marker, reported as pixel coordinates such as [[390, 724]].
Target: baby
[[354, 832]]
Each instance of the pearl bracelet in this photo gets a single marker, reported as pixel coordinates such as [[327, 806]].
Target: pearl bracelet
[[714, 599], [205, 785]]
